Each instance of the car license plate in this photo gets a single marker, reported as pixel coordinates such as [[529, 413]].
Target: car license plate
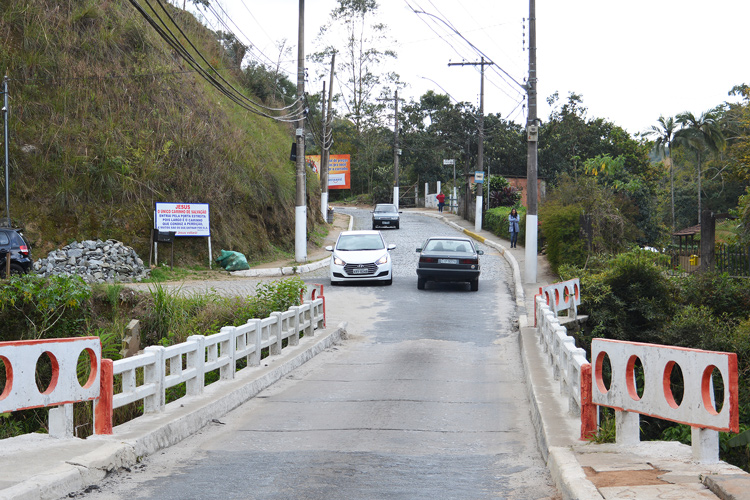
[[385, 222], [362, 270], [447, 261]]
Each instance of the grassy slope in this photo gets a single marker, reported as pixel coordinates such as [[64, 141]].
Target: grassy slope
[[107, 119]]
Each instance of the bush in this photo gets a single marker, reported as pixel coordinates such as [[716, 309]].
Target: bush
[[560, 226], [496, 221]]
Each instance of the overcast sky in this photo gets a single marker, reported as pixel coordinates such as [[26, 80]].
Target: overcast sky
[[631, 61]]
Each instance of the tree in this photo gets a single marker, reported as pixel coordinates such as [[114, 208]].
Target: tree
[[702, 134], [664, 133], [358, 57]]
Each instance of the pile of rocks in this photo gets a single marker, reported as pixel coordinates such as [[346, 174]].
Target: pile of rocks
[[95, 261]]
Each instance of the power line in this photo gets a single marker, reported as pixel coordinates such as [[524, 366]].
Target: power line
[[231, 92]]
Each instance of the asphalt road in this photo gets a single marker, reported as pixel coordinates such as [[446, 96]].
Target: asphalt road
[[424, 400]]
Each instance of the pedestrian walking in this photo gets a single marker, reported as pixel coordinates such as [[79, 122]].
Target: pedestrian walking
[[513, 227], [441, 201]]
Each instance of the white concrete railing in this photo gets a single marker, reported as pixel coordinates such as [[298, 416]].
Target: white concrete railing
[[188, 362], [569, 365], [698, 407], [563, 296], [145, 377], [21, 392]]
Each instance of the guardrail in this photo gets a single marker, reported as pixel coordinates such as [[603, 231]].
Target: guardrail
[[21, 391], [147, 376], [699, 407], [569, 365], [563, 296]]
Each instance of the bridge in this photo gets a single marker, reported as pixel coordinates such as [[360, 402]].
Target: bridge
[[564, 387]]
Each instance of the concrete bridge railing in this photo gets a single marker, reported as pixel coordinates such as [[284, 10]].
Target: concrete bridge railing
[[145, 377], [709, 402]]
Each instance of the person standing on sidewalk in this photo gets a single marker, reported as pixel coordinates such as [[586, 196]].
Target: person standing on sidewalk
[[441, 201], [513, 227]]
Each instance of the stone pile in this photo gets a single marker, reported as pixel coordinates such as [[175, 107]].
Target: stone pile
[[95, 261]]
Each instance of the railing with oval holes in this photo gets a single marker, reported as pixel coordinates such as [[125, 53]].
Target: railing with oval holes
[[563, 296], [644, 380]]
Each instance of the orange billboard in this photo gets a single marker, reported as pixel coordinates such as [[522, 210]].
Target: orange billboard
[[338, 170]]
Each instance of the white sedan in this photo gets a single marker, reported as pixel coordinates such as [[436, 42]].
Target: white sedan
[[361, 256]]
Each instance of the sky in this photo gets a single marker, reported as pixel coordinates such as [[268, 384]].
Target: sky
[[631, 62]]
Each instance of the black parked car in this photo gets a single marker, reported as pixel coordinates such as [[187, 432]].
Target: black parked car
[[448, 258], [13, 241], [385, 215]]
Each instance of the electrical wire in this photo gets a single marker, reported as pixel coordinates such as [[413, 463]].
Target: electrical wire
[[162, 28]]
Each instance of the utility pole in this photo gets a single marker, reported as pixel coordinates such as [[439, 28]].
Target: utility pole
[[300, 210], [480, 119], [326, 144], [395, 150], [395, 147], [6, 112], [323, 174], [532, 132]]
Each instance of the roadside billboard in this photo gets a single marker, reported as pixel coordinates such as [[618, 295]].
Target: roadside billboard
[[339, 172], [184, 219]]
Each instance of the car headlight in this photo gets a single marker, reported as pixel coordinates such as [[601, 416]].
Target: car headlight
[[382, 260], [337, 260]]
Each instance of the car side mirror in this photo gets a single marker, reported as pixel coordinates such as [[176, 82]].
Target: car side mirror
[[391, 246], [329, 248], [400, 211], [480, 252], [419, 249]]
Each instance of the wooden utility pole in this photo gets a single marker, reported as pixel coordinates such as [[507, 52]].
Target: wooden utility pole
[[300, 210]]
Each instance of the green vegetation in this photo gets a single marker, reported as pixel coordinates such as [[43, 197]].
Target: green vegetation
[[106, 121]]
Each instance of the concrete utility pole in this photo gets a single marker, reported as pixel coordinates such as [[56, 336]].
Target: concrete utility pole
[[326, 144], [395, 147], [480, 119], [6, 112], [300, 211], [395, 150], [532, 132]]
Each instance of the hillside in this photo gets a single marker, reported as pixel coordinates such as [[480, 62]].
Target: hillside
[[106, 119]]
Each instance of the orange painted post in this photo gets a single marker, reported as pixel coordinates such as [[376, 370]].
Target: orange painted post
[[588, 408], [103, 406]]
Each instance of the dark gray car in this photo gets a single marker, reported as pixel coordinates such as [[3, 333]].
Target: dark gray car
[[448, 258], [385, 215]]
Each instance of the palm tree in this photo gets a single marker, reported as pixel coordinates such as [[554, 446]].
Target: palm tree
[[700, 134], [664, 133]]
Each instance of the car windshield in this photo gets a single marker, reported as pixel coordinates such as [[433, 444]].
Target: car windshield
[[385, 208], [360, 242], [448, 246]]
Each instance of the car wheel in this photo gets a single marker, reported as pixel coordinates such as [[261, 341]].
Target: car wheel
[[475, 285], [420, 283]]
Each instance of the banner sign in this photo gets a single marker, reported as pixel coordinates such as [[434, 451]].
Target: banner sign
[[338, 170], [184, 219]]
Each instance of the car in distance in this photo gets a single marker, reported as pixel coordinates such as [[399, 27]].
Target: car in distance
[[448, 258], [385, 215], [361, 256], [13, 241]]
